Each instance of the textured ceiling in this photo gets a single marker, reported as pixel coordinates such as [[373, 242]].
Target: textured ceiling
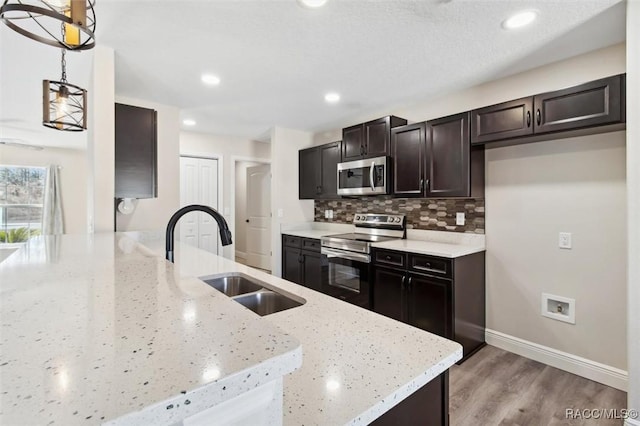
[[276, 59]]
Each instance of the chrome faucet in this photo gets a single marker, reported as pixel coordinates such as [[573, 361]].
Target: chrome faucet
[[225, 234]]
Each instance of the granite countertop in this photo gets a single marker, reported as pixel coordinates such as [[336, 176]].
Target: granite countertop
[[98, 329], [432, 248], [355, 364], [434, 243]]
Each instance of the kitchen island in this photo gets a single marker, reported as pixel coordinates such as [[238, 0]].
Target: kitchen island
[[101, 329]]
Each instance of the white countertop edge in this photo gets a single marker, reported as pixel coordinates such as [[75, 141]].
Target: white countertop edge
[[405, 391], [213, 393], [430, 248]]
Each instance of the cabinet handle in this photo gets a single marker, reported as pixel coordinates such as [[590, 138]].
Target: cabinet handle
[[361, 150], [318, 189], [528, 118], [404, 278], [409, 283], [421, 184], [387, 257], [300, 259], [538, 116], [426, 185]]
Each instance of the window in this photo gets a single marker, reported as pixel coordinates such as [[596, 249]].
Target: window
[[21, 199]]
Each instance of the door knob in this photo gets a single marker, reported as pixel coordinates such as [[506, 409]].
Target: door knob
[[247, 220]]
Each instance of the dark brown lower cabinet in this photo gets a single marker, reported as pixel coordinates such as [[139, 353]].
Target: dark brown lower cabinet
[[302, 262], [439, 295], [428, 406]]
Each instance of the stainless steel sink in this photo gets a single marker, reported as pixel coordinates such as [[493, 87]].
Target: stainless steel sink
[[266, 302], [233, 284]]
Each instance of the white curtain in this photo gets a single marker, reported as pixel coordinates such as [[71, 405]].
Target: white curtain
[[52, 207]]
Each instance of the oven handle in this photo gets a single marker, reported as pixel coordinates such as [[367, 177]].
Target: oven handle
[[357, 257], [371, 170]]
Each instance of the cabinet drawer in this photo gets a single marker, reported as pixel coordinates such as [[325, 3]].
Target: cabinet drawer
[[392, 258], [291, 241], [311, 244], [430, 265]]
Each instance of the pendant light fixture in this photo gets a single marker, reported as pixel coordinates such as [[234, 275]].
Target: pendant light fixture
[[64, 105], [40, 20]]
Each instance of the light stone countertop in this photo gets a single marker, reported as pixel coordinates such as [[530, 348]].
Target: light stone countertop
[[355, 364], [429, 247], [434, 243], [99, 329]]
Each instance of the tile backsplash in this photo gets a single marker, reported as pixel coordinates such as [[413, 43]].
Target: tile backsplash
[[422, 213]]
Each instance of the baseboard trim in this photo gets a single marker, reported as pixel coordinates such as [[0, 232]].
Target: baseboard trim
[[583, 367], [241, 255]]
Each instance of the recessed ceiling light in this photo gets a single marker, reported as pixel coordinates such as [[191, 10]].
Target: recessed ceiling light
[[312, 4], [210, 79], [332, 98], [519, 19], [189, 122]]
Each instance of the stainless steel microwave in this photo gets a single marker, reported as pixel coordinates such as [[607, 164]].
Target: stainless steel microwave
[[364, 177]]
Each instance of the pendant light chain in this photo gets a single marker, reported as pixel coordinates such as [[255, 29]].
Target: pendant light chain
[[64, 56]]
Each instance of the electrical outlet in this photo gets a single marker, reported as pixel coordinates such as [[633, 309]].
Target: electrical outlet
[[564, 240], [326, 214], [330, 214], [460, 218]]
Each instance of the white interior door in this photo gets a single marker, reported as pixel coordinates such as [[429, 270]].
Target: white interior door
[[188, 224], [199, 185], [207, 226], [259, 216]]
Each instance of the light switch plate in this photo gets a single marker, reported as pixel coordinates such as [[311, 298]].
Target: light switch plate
[[280, 213], [460, 218], [564, 240]]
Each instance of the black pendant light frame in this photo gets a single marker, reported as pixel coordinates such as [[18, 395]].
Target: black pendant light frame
[[74, 116], [38, 12]]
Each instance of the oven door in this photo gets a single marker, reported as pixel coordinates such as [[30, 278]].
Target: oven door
[[363, 177], [347, 277]]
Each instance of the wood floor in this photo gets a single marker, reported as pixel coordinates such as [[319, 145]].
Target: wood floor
[[495, 387]]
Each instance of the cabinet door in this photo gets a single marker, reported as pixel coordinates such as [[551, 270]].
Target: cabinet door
[[591, 104], [353, 142], [292, 265], [407, 152], [429, 304], [376, 138], [309, 171], [312, 270], [135, 152], [503, 121], [330, 156], [388, 293], [447, 157]]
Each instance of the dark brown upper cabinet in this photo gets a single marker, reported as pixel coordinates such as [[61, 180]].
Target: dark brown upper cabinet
[[136, 158], [503, 121], [407, 152], [435, 159], [370, 139], [318, 171], [589, 105]]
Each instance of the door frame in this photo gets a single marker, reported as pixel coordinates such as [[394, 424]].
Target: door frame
[[232, 202], [220, 159]]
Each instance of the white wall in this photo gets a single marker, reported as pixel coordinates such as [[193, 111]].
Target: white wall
[[240, 236], [285, 144], [154, 213], [227, 149], [101, 142], [633, 194], [73, 180]]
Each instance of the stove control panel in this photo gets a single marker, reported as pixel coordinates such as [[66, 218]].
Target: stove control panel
[[375, 220]]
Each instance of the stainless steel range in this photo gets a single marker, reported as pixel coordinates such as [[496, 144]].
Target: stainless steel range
[[349, 255]]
